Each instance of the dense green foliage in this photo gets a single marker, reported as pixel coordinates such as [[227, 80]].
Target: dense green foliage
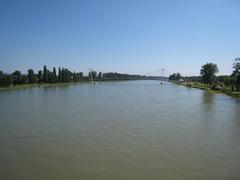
[[208, 77], [31, 77], [43, 76], [235, 77], [175, 77], [208, 72], [62, 76], [5, 80], [117, 76]]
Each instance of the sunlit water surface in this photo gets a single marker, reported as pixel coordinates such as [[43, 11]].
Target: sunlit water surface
[[131, 130]]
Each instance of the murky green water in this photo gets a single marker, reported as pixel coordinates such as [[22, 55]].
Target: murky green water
[[118, 131]]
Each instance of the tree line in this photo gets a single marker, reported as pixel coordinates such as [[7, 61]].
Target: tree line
[[118, 76], [42, 76], [63, 75], [208, 76]]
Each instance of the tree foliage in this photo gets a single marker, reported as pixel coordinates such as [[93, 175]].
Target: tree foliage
[[17, 77], [31, 76], [117, 76], [40, 77], [5, 80], [45, 74], [208, 72], [175, 77], [235, 77], [54, 75]]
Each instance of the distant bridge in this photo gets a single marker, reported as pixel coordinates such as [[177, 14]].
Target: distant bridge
[[158, 72]]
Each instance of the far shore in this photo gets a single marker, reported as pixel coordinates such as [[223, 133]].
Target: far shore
[[48, 85]]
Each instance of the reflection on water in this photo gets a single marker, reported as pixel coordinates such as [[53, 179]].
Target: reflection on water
[[119, 130], [208, 99]]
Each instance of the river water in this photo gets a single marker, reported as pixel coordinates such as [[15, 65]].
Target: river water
[[132, 130]]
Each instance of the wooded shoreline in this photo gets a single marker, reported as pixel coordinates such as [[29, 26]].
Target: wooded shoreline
[[201, 86], [46, 78]]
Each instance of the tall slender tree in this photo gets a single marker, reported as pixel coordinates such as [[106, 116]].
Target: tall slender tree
[[40, 76], [30, 76], [45, 74], [54, 74], [59, 75], [63, 75]]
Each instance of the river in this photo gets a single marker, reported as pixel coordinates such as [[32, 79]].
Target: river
[[129, 130]]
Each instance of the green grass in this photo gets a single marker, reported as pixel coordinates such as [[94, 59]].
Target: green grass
[[198, 85]]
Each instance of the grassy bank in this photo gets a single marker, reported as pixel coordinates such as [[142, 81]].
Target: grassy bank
[[198, 85]]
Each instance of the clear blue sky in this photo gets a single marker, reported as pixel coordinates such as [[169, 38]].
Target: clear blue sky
[[132, 36]]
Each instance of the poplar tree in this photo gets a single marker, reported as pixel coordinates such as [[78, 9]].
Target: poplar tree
[[54, 74], [30, 76], [45, 74], [40, 76]]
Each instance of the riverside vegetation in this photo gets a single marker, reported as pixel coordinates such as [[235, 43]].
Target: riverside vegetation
[[228, 84], [46, 78]]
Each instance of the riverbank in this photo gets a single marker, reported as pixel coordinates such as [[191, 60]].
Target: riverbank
[[198, 85], [43, 85], [46, 85]]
